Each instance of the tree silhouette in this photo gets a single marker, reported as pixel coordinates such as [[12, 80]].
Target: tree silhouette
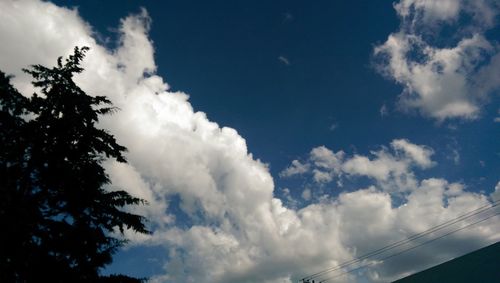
[[59, 223]]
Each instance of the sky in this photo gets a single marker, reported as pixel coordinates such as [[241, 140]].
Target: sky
[[276, 139]]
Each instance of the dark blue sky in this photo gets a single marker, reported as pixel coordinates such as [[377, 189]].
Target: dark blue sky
[[225, 55]]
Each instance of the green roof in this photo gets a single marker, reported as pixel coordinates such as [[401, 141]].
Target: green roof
[[481, 266]]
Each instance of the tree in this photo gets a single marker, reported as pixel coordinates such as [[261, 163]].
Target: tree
[[59, 222]]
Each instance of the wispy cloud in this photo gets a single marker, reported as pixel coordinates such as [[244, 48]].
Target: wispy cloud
[[284, 60], [333, 126], [287, 17], [384, 111]]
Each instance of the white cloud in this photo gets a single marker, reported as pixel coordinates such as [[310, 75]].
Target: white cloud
[[306, 194], [322, 157], [238, 231], [440, 85], [421, 155], [284, 60], [429, 12], [442, 82], [443, 10], [496, 194], [383, 110], [497, 119], [456, 156], [333, 127], [296, 168], [392, 170], [321, 176]]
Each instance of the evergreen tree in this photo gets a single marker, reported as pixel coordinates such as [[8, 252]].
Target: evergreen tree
[[59, 222]]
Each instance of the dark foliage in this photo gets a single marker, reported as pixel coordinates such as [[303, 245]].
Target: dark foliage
[[57, 218]]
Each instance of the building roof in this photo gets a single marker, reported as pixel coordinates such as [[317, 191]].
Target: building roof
[[481, 266]]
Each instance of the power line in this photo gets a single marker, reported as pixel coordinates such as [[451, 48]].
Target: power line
[[404, 241], [407, 240], [411, 248]]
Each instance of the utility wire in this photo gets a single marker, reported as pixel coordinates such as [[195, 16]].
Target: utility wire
[[405, 241], [409, 249]]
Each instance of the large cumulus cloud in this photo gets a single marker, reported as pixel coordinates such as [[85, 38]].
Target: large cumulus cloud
[[229, 226]]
